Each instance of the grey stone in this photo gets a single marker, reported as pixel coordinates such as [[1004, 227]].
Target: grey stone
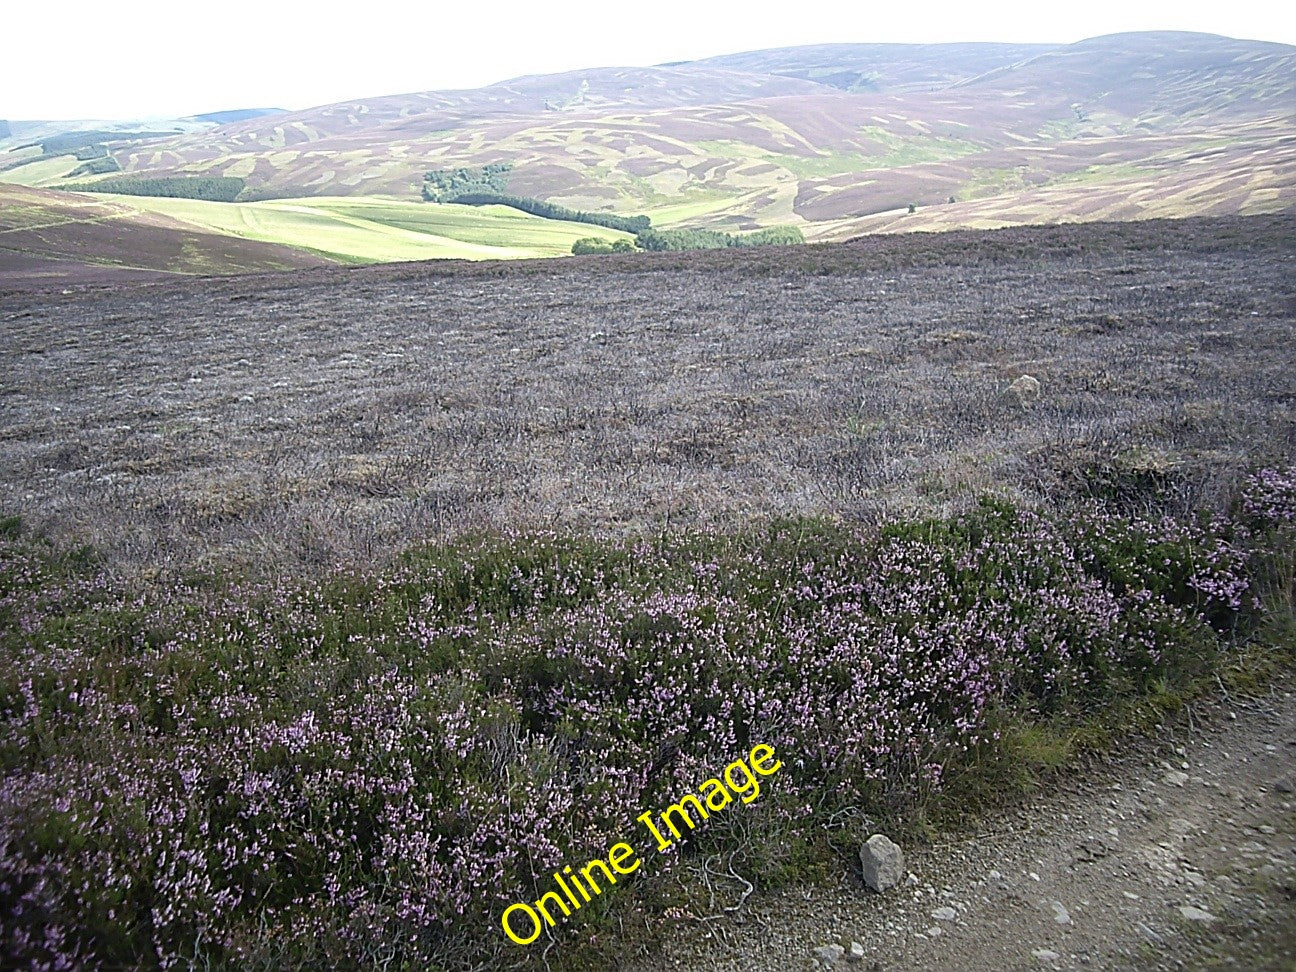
[[829, 955], [1196, 914], [1150, 935], [1025, 389], [1060, 914], [882, 862], [944, 914]]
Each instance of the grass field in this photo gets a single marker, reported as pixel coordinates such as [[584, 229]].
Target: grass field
[[373, 230], [40, 172]]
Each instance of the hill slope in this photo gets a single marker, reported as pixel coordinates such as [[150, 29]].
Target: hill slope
[[752, 138], [837, 139], [54, 237]]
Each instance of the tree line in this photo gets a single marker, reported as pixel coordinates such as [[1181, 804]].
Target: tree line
[[704, 239], [691, 239], [209, 188]]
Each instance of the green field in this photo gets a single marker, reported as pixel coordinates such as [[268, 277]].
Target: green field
[[40, 172], [360, 229]]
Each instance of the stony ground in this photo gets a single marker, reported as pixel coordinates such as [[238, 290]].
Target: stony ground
[[1181, 854]]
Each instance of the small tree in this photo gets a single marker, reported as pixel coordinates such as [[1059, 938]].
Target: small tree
[[913, 208], [590, 244]]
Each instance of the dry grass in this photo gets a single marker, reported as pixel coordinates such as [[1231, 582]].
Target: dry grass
[[344, 414]]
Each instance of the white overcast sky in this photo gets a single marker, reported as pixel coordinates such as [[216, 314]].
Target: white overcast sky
[[78, 59]]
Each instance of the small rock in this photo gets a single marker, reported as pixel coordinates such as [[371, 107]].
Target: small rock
[[1285, 786], [1149, 934], [1196, 914], [829, 955], [1025, 389], [1060, 914], [856, 953], [1046, 955], [1176, 778], [944, 914], [934, 931], [882, 862]]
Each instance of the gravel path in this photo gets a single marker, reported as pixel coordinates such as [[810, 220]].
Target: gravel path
[[1179, 855]]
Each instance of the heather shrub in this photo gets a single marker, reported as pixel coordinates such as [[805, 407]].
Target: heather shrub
[[362, 771]]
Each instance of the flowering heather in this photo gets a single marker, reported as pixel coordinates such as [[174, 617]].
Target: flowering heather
[[363, 771], [1269, 497]]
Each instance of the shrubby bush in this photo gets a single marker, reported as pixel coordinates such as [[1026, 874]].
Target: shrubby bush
[[594, 244], [364, 770]]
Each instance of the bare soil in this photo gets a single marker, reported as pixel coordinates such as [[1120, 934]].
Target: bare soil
[[1180, 855]]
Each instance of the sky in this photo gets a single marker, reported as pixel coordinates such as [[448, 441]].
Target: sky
[[78, 60]]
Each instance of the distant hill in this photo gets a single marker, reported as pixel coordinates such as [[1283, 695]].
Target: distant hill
[[235, 115], [836, 139], [880, 67]]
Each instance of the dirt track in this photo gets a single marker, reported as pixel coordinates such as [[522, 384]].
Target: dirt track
[[1182, 855]]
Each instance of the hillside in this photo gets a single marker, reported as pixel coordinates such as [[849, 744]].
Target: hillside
[[381, 596], [805, 135], [836, 140], [53, 237]]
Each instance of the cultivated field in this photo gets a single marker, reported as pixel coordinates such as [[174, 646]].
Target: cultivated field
[[342, 414], [66, 230]]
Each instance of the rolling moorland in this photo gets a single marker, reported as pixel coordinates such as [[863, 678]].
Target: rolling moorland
[[342, 615], [833, 140]]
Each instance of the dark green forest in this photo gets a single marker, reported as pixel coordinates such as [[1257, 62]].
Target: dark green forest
[[210, 188]]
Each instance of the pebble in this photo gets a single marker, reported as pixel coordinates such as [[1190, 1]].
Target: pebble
[[1046, 955], [944, 914], [1060, 914], [1196, 914], [1149, 934], [829, 954]]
